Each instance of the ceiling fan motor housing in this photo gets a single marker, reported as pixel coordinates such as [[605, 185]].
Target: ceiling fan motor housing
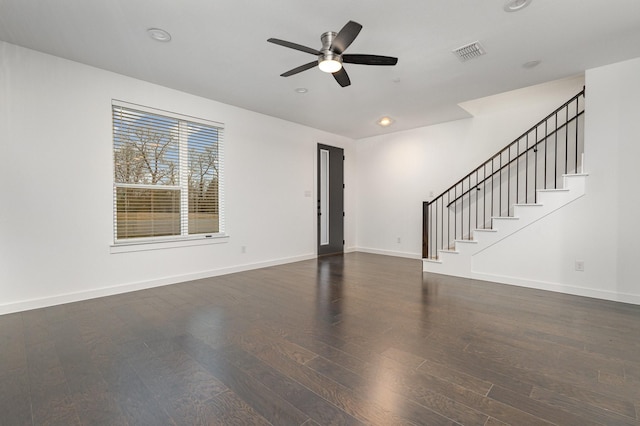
[[326, 53]]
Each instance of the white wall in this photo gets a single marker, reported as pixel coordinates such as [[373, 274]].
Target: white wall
[[613, 146], [398, 171], [56, 209]]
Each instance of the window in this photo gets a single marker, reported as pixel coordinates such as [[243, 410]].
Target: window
[[167, 175]]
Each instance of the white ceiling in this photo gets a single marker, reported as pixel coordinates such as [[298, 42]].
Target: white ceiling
[[219, 50]]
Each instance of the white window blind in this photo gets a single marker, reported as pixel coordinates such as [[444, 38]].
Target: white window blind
[[167, 175]]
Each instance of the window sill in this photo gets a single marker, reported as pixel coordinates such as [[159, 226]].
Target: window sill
[[162, 245]]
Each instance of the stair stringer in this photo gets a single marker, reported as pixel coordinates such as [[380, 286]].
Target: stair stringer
[[458, 261]]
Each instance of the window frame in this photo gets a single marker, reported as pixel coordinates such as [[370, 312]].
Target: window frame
[[184, 238]]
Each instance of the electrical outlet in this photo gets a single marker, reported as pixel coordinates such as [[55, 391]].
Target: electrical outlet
[[399, 240], [580, 265], [243, 249]]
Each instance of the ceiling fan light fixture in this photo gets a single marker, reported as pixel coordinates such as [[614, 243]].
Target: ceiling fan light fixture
[[330, 65]]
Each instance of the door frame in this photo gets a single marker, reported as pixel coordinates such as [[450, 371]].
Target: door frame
[[334, 217]]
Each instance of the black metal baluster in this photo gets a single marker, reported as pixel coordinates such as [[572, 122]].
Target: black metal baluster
[[535, 170], [509, 183], [439, 246], [469, 211], [546, 133], [433, 232], [436, 246], [555, 171], [484, 196], [434, 221], [492, 186], [577, 109], [477, 190], [425, 230], [462, 212], [526, 173], [566, 140], [455, 212], [500, 186], [518, 171], [448, 220]]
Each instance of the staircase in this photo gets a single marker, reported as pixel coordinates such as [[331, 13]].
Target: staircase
[[457, 260], [538, 173]]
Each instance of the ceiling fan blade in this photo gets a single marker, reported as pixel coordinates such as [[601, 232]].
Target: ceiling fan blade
[[342, 77], [293, 46], [299, 69], [369, 59], [345, 37]]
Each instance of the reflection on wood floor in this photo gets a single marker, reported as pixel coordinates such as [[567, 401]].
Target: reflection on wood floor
[[353, 339]]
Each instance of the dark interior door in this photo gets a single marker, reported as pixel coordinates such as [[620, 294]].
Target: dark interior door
[[330, 200]]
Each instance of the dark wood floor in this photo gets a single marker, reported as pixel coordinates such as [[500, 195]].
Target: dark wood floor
[[345, 340]]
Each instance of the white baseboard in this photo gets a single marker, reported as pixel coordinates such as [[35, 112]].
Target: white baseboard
[[389, 252], [633, 299], [564, 288], [25, 305]]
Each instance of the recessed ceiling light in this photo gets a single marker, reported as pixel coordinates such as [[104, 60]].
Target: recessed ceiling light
[[531, 64], [385, 121], [515, 5], [301, 90], [159, 34]]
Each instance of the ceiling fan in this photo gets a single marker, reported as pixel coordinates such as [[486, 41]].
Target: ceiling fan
[[331, 56]]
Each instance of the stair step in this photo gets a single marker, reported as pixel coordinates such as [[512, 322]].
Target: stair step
[[553, 190], [432, 260], [466, 241], [575, 174], [485, 230], [528, 205]]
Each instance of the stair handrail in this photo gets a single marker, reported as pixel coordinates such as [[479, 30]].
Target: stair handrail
[[539, 123], [533, 147]]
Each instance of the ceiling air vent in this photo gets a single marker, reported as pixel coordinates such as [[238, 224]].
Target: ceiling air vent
[[469, 51]]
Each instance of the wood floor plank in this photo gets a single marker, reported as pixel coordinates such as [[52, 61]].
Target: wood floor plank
[[544, 411], [53, 406], [298, 395], [254, 393], [398, 386], [352, 402], [15, 398], [590, 411], [50, 398], [228, 409], [12, 342]]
